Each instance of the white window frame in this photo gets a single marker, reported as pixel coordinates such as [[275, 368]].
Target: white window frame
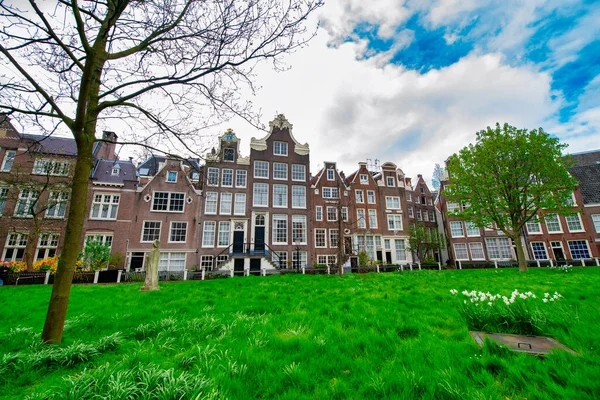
[[254, 197], [390, 181], [281, 145], [48, 243], [299, 199], [454, 230], [361, 219], [168, 175], [224, 235], [303, 229], [211, 199], [111, 204], [211, 179], [169, 202], [239, 205], [373, 224], [3, 198], [371, 197], [471, 229], [318, 213], [260, 165], [153, 228], [345, 214], [238, 176], [51, 167], [533, 250], [359, 195], [534, 222], [330, 213], [298, 172], [279, 218], [330, 174], [334, 237], [57, 205], [9, 160], [587, 249], [557, 221], [230, 175], [225, 205], [578, 221], [364, 179], [212, 232], [18, 244], [26, 203], [277, 170], [333, 193], [318, 231], [171, 232], [397, 221], [389, 203], [410, 212], [280, 198], [463, 248], [476, 244]]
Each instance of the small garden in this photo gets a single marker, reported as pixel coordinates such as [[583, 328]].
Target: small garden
[[394, 335]]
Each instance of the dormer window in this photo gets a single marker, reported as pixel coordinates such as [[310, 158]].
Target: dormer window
[[172, 176], [280, 148], [364, 179], [390, 181], [330, 175], [228, 154], [115, 171]]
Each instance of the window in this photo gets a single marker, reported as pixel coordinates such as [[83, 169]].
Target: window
[[3, 196], [280, 171], [281, 258], [329, 260], [151, 231], [533, 226], [57, 205], [431, 216], [330, 175], [240, 178], [280, 148], [499, 248], [360, 198], [210, 205], [239, 207], [208, 234], [364, 179], [472, 230], [280, 229], [574, 223], [115, 171], [425, 216], [371, 196], [595, 220], [387, 244], [419, 215], [299, 259], [408, 196], [261, 169], [15, 247], [228, 154], [168, 201], [105, 206], [298, 172], [392, 203], [223, 239], [453, 207], [227, 177], [345, 214], [26, 203], [299, 228], [476, 251], [320, 238], [319, 213], [206, 262], [298, 197], [579, 249], [225, 206], [373, 219], [260, 197], [222, 259], [460, 251], [410, 212], [9, 159], [280, 196], [456, 229], [47, 244], [178, 232], [394, 222], [571, 200], [332, 214], [105, 239], [400, 249], [539, 250], [391, 182], [553, 223], [331, 193], [213, 176], [360, 218], [171, 176], [171, 261], [417, 200], [334, 236], [50, 167]]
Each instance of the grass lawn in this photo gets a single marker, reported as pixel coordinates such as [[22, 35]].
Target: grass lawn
[[393, 335]]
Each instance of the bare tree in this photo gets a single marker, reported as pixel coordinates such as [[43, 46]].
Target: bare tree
[[78, 63]]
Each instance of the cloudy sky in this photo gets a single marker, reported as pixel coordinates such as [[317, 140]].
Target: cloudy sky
[[412, 81]]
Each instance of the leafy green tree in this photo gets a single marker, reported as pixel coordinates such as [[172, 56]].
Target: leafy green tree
[[422, 240], [95, 255], [169, 67], [506, 177]]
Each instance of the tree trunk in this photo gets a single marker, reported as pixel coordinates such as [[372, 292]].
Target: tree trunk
[[61, 290], [520, 252], [340, 246], [32, 240]]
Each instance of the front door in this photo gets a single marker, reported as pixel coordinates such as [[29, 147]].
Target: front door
[[137, 261], [388, 257], [557, 249], [379, 255], [238, 266], [259, 239], [255, 266], [238, 242]]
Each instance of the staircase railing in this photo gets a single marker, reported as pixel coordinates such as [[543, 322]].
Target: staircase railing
[[216, 264]]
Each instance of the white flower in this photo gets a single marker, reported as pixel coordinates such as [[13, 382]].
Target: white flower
[[545, 300], [453, 291], [490, 304]]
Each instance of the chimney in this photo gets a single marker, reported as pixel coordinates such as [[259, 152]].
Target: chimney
[[107, 149]]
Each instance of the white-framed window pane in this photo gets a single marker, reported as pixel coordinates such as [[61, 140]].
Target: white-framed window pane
[[345, 214], [400, 249], [298, 172], [319, 213], [299, 228], [240, 178], [472, 229], [280, 228], [261, 169], [456, 229], [371, 196], [359, 196], [280, 148], [213, 176], [281, 258], [330, 175], [299, 259], [574, 223], [47, 244], [332, 214], [206, 262], [533, 226], [280, 171], [373, 219], [223, 238], [151, 231], [298, 197], [360, 218], [225, 206], [595, 220], [280, 193], [476, 251], [331, 193], [208, 234], [452, 207], [240, 204], [171, 176], [260, 194], [392, 203], [210, 205], [178, 232], [15, 247], [334, 237], [171, 261], [410, 212], [539, 250], [460, 251], [3, 197], [553, 223], [579, 249], [26, 203], [9, 159], [320, 238], [364, 179], [57, 205], [51, 167], [227, 177], [394, 222]]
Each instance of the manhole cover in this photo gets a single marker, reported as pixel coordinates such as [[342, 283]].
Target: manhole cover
[[522, 343]]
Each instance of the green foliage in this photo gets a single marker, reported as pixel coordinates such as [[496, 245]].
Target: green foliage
[[95, 255], [320, 266], [363, 259], [364, 336], [422, 240], [117, 260]]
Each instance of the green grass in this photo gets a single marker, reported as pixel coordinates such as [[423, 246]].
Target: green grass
[[394, 335]]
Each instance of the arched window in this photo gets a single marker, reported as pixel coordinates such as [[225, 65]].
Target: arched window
[[260, 220]]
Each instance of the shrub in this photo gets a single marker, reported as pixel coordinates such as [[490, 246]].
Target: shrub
[[117, 260], [15, 266], [363, 259], [95, 256], [47, 264]]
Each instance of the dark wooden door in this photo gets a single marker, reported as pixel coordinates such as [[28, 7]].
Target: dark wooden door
[[388, 257], [379, 255], [238, 266], [259, 239], [255, 265], [238, 242]]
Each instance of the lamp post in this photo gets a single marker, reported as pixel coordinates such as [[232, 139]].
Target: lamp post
[[297, 249]]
